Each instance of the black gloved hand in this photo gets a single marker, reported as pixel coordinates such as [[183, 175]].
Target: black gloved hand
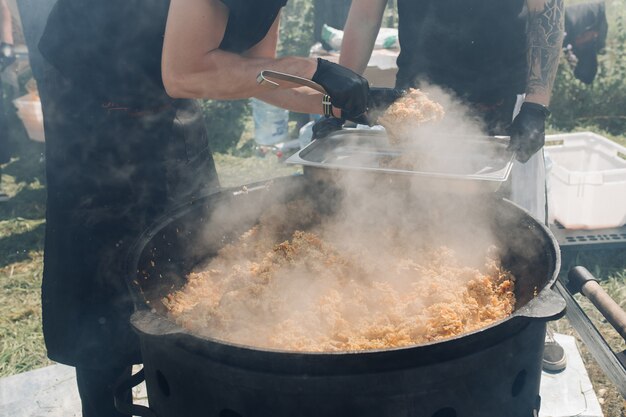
[[378, 100], [528, 131], [7, 57], [347, 89], [325, 126]]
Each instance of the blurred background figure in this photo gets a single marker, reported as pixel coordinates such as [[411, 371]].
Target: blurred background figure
[[7, 57], [586, 29]]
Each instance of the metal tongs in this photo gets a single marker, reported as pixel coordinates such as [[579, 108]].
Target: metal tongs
[[268, 77]]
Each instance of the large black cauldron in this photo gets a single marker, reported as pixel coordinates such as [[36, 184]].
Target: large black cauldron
[[494, 372]]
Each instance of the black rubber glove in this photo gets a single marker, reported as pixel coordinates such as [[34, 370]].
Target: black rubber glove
[[348, 91], [7, 57], [528, 131], [325, 126], [378, 100]]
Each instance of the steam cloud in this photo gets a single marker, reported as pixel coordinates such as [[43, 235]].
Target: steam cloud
[[376, 224]]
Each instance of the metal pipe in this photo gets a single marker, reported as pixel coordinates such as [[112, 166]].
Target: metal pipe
[[581, 279], [591, 337]]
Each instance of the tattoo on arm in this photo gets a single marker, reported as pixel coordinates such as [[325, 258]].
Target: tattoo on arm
[[545, 38]]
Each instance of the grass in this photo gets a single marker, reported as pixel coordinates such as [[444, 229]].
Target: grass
[[21, 255], [21, 347]]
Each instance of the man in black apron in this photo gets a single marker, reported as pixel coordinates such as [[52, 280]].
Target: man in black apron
[[586, 29], [499, 57], [477, 49], [119, 152]]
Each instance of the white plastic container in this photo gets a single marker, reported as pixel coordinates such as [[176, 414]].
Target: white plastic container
[[587, 181], [306, 134], [271, 124], [29, 111]]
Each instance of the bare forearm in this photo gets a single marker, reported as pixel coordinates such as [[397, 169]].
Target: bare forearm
[[194, 66], [360, 33], [6, 28], [223, 75], [545, 39]]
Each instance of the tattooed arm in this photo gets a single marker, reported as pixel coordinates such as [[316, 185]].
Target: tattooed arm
[[545, 39]]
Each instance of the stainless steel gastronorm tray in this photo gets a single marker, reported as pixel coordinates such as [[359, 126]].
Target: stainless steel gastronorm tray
[[479, 160]]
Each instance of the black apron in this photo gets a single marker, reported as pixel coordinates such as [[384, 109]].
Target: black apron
[[119, 153], [474, 48], [248, 22]]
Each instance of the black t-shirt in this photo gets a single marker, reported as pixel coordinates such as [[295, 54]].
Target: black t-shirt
[[477, 48], [248, 22], [113, 47]]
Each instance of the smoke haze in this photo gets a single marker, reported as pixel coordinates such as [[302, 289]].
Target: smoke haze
[[363, 261]]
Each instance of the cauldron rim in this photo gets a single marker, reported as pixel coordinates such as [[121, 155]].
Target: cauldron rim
[[144, 317]]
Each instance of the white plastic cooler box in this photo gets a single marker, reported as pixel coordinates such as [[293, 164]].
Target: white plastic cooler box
[[587, 181]]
